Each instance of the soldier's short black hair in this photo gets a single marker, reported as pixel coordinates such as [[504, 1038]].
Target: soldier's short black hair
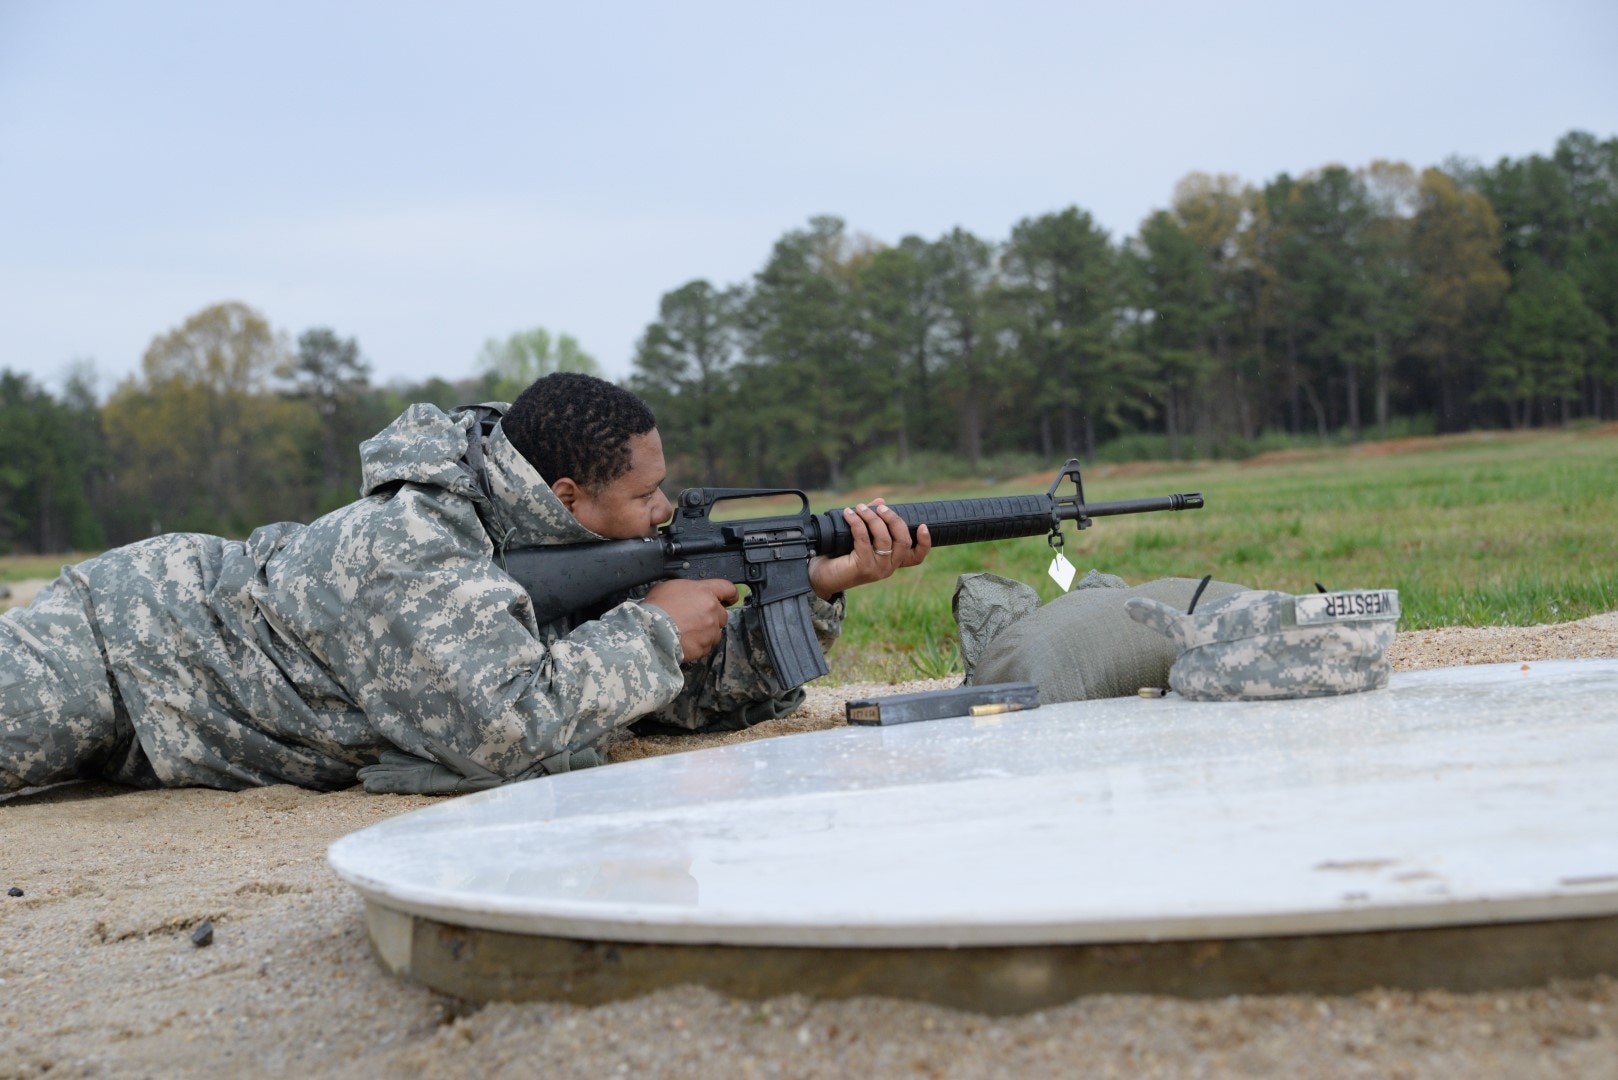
[[578, 426]]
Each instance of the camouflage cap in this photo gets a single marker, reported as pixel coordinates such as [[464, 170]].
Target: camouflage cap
[[1257, 645]]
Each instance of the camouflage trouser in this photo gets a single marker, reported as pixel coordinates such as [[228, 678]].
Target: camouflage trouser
[[59, 717]]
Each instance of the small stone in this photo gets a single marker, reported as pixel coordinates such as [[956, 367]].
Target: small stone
[[203, 934], [14, 891]]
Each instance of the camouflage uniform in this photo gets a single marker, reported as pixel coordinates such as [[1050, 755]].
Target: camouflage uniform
[[1259, 645], [307, 652]]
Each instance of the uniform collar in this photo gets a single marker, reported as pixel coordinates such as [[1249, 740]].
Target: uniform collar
[[524, 511]]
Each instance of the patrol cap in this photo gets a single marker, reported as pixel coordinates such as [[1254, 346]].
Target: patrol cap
[[1259, 645]]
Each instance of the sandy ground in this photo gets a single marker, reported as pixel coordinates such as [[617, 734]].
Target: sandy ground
[[19, 593], [99, 976]]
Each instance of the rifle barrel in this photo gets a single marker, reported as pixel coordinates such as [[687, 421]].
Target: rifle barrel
[[972, 521], [1191, 500]]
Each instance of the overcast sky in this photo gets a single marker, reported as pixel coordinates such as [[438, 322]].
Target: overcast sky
[[426, 176]]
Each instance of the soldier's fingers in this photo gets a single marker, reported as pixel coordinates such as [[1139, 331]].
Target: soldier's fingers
[[901, 543], [857, 527], [884, 556], [924, 544], [724, 591], [897, 529], [881, 536]]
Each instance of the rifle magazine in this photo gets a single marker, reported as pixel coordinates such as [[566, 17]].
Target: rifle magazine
[[789, 635]]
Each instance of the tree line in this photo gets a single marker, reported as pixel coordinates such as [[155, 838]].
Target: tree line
[[227, 426], [1342, 304]]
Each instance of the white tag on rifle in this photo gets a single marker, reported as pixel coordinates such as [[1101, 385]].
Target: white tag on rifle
[[1062, 571]]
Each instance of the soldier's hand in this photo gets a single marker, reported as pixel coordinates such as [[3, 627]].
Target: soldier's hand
[[882, 545], [698, 609]]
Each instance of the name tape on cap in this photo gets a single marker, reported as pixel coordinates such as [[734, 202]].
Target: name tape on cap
[[1352, 605]]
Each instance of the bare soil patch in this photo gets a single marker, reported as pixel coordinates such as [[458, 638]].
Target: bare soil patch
[[20, 593]]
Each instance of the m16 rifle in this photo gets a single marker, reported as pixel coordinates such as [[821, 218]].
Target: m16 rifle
[[770, 555]]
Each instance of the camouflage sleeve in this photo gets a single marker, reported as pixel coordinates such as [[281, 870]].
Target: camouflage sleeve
[[441, 652], [738, 673]]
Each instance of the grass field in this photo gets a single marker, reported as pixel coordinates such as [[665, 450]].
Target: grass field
[[1473, 530], [28, 567]]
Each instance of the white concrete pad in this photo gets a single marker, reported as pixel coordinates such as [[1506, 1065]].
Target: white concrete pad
[[1457, 796]]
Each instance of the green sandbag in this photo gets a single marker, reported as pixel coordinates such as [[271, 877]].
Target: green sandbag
[[1079, 646]]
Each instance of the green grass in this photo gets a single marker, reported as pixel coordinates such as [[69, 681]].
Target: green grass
[[28, 567], [1475, 530], [15, 568]]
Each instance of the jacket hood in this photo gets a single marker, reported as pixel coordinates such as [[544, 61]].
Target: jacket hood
[[428, 446], [524, 511], [424, 446]]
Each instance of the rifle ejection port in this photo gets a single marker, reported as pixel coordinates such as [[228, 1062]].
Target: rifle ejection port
[[775, 552]]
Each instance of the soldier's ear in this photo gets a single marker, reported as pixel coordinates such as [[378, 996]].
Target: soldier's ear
[[1156, 615], [567, 491]]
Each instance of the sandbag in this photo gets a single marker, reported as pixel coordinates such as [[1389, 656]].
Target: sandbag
[[1081, 645], [1263, 645]]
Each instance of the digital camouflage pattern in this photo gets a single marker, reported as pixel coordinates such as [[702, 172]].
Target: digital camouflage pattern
[[59, 719], [1250, 646], [308, 652]]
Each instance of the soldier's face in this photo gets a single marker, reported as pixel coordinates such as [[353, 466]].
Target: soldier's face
[[631, 506]]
